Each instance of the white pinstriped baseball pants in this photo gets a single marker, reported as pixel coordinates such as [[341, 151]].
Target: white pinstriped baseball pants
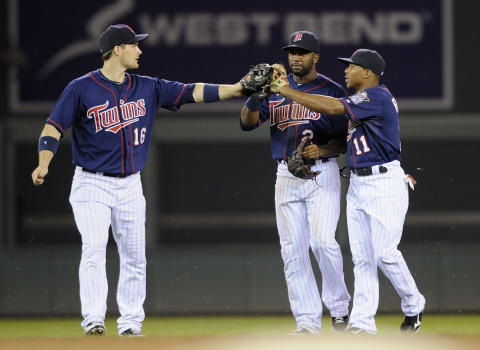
[[376, 209], [307, 213], [98, 202]]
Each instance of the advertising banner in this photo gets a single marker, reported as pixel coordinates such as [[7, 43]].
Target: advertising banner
[[216, 42]]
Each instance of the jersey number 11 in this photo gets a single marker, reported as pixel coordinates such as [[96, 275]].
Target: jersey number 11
[[363, 141]]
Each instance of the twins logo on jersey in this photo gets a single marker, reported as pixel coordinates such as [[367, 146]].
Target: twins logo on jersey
[[291, 114], [108, 119]]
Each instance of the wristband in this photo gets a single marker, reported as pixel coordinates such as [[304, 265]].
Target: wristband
[[47, 143], [253, 103], [210, 93]]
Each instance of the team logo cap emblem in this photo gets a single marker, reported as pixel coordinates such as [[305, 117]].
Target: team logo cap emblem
[[298, 36], [303, 39]]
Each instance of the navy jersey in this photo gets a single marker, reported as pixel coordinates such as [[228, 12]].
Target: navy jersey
[[112, 122], [289, 121], [373, 130]]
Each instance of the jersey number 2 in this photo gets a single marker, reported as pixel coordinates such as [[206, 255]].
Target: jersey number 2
[[140, 141], [363, 141]]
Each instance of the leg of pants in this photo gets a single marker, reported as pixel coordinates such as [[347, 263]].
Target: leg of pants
[[366, 288], [376, 208], [387, 229], [323, 211], [93, 221], [128, 226], [294, 235]]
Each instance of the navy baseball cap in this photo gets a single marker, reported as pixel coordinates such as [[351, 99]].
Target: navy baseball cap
[[118, 34], [303, 40], [365, 58]]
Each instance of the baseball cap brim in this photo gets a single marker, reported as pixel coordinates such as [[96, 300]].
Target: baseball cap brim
[[345, 60], [139, 37], [286, 48]]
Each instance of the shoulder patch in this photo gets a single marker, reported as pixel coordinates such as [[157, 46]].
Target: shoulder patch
[[362, 96]]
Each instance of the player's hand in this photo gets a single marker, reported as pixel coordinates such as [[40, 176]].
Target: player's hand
[[279, 78], [311, 152], [279, 70], [38, 175]]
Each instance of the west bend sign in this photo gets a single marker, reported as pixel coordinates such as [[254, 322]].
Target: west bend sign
[[218, 43]]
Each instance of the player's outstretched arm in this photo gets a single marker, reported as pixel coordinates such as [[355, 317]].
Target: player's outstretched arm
[[317, 103], [48, 144], [212, 92]]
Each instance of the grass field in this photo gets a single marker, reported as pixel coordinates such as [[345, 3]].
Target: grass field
[[237, 332]]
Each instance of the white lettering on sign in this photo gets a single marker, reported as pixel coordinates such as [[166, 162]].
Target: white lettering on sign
[[238, 28], [204, 29]]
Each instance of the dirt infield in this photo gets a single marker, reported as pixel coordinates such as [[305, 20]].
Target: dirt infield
[[347, 342]]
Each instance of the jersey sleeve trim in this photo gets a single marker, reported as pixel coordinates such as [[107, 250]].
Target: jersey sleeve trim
[[347, 108], [56, 125], [178, 98]]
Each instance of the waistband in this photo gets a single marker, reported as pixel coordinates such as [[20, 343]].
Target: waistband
[[370, 170], [103, 174]]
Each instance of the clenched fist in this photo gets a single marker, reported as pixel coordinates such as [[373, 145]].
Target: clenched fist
[[38, 175]]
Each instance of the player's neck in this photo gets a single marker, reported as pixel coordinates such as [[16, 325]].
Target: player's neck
[[366, 85], [311, 76], [113, 72]]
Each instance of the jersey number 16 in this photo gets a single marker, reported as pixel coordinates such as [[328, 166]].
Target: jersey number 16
[[139, 140]]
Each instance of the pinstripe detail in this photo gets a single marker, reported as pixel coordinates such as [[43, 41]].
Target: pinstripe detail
[[132, 164], [376, 209], [316, 87], [129, 81], [307, 213], [99, 202]]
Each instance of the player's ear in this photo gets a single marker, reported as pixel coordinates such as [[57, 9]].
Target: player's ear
[[116, 50], [316, 57], [367, 73]]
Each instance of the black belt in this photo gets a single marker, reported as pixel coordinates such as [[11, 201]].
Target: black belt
[[368, 171], [104, 174], [324, 160]]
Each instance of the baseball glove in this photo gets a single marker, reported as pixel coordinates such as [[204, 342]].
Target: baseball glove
[[299, 166], [256, 82], [258, 79]]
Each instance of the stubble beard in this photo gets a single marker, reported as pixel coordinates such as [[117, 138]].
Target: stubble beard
[[303, 72]]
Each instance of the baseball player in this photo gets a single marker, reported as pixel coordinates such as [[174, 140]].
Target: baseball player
[[307, 211], [377, 199], [111, 114]]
